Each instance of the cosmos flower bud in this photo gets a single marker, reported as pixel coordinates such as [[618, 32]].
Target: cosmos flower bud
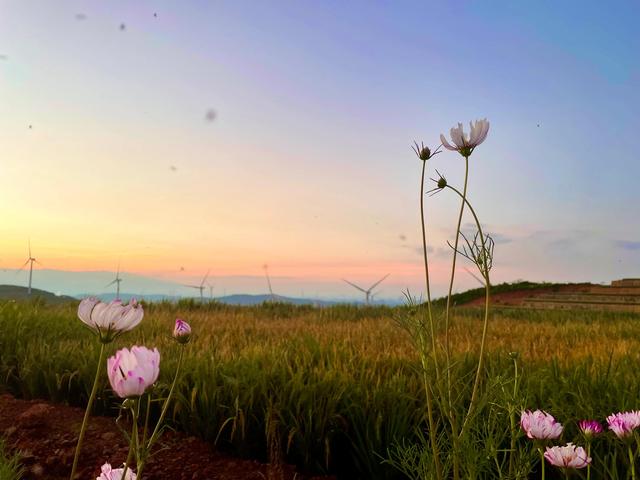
[[590, 428], [131, 372], [442, 182], [568, 456], [111, 319], [182, 331], [423, 152], [540, 425], [108, 473]]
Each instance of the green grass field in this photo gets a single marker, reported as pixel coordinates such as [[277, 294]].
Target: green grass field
[[340, 385]]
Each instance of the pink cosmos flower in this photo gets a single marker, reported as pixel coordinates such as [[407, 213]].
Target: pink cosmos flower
[[540, 425], [108, 473], [110, 319], [590, 428], [182, 331], [463, 144], [624, 423], [568, 456], [132, 372]]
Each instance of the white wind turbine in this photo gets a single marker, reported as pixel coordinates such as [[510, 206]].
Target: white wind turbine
[[368, 291], [266, 273], [117, 281], [200, 287], [30, 260]]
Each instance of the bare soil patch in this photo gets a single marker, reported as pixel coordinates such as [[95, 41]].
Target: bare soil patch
[[45, 434]]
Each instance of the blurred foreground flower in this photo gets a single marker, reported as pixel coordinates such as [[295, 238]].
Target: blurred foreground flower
[[463, 144], [568, 456], [590, 428], [624, 423], [109, 320], [539, 425], [131, 372], [182, 331], [108, 473]]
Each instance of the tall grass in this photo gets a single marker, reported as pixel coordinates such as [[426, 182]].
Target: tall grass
[[337, 386]]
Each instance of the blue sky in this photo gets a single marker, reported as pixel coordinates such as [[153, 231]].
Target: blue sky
[[307, 164]]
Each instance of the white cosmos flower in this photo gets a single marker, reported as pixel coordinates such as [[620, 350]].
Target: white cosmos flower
[[131, 372], [110, 319], [108, 473], [464, 144]]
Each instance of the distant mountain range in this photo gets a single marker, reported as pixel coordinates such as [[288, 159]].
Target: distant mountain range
[[237, 299], [15, 292], [246, 289]]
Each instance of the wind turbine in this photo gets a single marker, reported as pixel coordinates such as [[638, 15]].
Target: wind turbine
[[117, 281], [477, 279], [368, 291], [266, 273], [200, 287], [30, 260]]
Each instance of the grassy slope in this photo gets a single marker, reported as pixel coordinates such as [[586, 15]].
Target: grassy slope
[[15, 292], [475, 293]]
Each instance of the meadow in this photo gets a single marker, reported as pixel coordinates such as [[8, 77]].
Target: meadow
[[335, 389]]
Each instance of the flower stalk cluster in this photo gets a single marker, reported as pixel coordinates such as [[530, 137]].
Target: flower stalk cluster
[[436, 357], [132, 374]]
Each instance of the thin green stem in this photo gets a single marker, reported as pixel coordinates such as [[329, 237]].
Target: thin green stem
[[512, 417], [542, 465], [483, 341], [447, 314], [432, 426], [426, 270], [589, 464], [87, 412], [146, 420], [133, 440], [165, 407], [632, 465]]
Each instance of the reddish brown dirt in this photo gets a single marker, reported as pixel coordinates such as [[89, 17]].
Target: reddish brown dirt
[[45, 435], [517, 298]]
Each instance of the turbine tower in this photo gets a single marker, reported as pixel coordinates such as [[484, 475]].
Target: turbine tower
[[200, 287], [117, 281], [266, 273], [30, 260], [367, 292]]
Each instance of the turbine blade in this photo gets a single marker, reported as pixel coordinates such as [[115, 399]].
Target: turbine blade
[[29, 248], [205, 278], [109, 284], [474, 276], [378, 282], [22, 267], [355, 286]]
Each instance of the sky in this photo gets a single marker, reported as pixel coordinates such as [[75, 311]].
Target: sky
[[174, 138]]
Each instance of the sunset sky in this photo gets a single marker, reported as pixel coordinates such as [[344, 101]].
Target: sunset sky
[[107, 153]]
